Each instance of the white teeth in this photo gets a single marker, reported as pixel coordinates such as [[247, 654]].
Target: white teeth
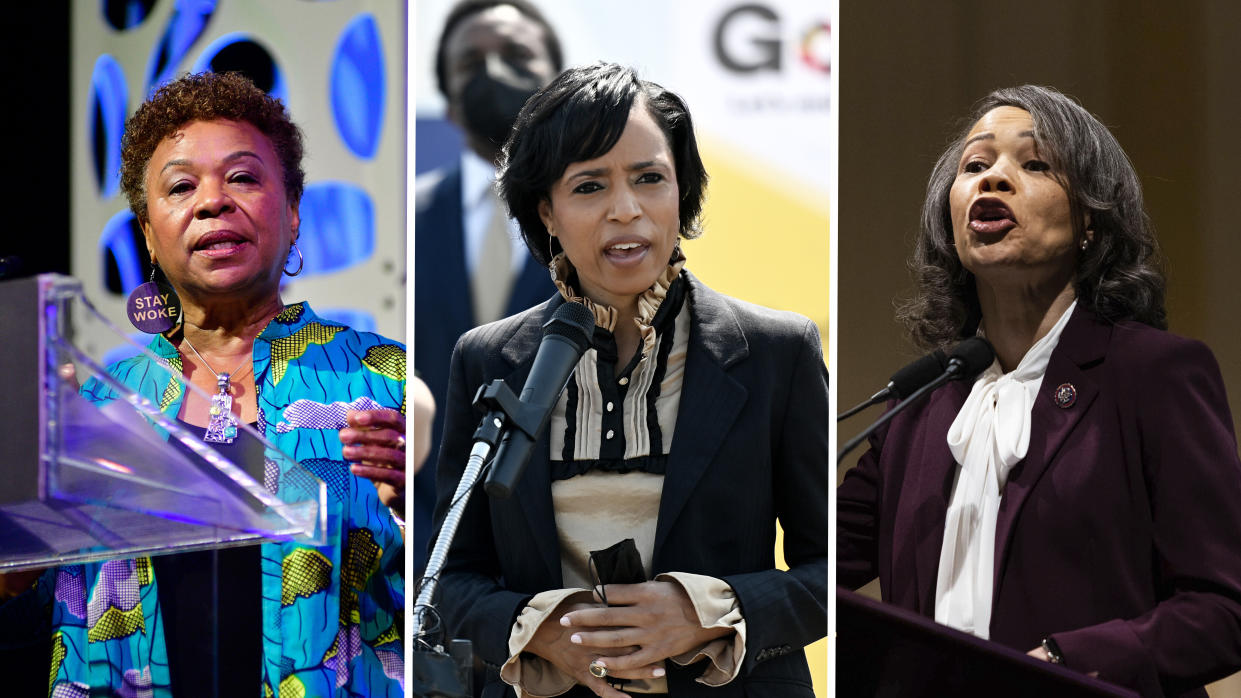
[[221, 245], [626, 246]]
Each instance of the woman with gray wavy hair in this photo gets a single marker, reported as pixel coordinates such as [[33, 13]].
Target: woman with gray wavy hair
[[1078, 501]]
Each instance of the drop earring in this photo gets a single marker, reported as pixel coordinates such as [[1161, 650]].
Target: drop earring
[[153, 307]]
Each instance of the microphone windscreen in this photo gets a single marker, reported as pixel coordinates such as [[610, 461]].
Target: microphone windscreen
[[574, 322], [917, 374], [970, 358]]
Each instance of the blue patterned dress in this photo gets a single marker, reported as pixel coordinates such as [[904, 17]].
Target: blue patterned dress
[[331, 614]]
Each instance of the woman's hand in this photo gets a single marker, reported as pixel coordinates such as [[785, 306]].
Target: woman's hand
[[424, 416], [657, 618], [553, 642], [375, 442]]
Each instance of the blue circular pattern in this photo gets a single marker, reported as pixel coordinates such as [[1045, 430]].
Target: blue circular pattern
[[358, 86], [108, 105], [244, 53], [338, 227], [187, 22], [126, 14], [119, 244]]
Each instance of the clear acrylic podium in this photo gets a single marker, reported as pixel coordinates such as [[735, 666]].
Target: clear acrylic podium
[[84, 481]]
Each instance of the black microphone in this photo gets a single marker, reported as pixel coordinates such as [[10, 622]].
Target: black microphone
[[965, 361], [565, 338], [969, 358], [913, 376]]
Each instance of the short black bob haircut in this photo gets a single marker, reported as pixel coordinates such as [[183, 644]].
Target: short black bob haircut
[[580, 116], [465, 9]]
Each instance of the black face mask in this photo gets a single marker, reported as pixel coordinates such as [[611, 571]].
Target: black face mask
[[491, 103]]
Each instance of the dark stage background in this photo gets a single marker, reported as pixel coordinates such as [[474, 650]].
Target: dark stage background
[[35, 56]]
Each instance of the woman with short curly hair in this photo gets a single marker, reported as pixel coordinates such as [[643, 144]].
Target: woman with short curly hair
[[207, 97], [212, 169]]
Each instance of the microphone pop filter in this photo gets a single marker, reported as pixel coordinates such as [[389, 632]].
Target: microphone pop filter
[[574, 322], [970, 358], [919, 373]]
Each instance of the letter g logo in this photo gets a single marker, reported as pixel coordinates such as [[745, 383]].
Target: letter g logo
[[761, 51]]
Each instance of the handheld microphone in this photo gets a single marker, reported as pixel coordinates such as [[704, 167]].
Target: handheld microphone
[[565, 338], [905, 381], [965, 361]]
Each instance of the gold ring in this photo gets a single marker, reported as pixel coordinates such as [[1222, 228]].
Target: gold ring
[[597, 670]]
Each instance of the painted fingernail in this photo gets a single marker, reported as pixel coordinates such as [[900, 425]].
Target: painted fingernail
[[577, 640], [658, 672], [564, 620]]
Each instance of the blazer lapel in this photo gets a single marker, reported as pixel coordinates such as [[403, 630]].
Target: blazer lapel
[[1084, 342], [711, 400], [534, 491], [933, 479]]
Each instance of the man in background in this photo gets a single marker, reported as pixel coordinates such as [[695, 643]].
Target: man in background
[[470, 264]]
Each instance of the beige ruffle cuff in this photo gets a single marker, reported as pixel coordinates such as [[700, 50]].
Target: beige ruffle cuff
[[530, 674], [717, 607], [714, 602]]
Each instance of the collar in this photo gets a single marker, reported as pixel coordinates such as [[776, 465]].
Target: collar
[[294, 317], [606, 317]]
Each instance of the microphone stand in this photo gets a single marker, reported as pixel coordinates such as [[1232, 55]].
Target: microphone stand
[[504, 409], [944, 377], [861, 406]]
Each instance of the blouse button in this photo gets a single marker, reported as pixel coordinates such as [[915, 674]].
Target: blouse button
[[609, 407], [624, 381], [610, 433]]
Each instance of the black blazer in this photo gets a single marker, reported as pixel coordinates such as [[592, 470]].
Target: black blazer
[[444, 310], [751, 445]]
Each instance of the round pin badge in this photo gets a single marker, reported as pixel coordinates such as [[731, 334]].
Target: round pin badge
[[1065, 395], [153, 307]]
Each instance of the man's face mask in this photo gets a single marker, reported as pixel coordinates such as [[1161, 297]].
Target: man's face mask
[[493, 97]]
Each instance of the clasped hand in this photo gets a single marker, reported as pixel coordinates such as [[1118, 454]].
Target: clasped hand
[[645, 624]]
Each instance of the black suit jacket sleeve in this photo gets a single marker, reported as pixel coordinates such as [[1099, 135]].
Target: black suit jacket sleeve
[[786, 610]]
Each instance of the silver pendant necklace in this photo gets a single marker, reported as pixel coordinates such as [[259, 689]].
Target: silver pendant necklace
[[222, 425]]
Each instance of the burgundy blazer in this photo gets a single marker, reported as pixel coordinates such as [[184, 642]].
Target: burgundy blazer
[[1119, 534]]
